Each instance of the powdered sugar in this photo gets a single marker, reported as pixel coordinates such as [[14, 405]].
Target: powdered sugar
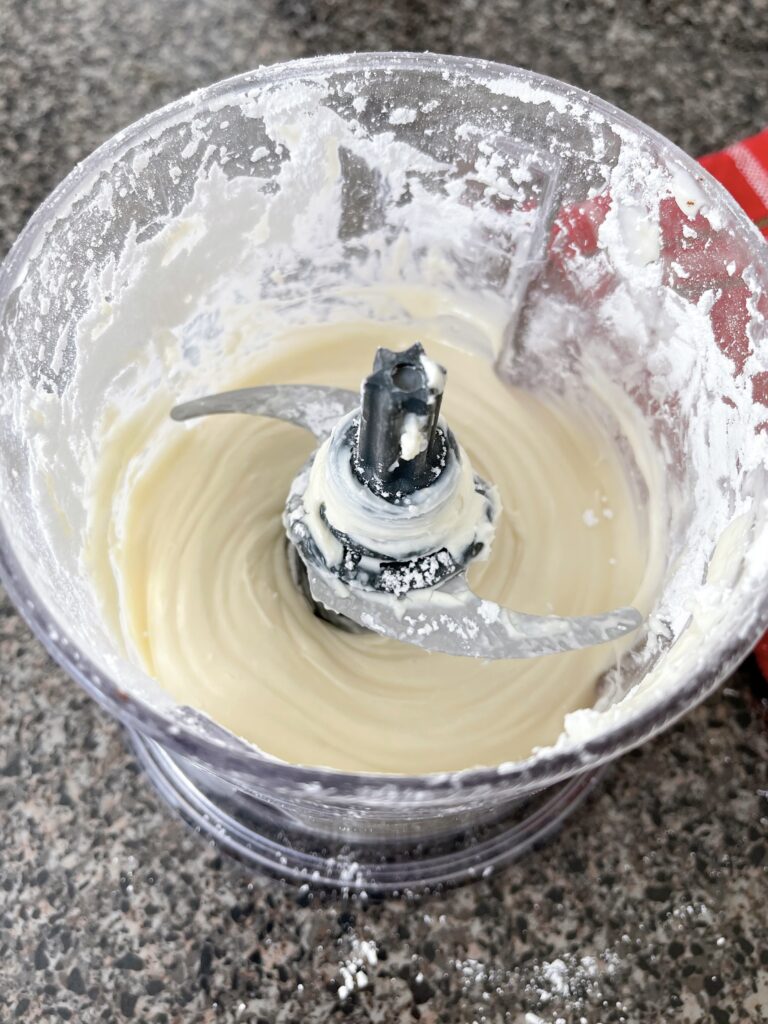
[[354, 971]]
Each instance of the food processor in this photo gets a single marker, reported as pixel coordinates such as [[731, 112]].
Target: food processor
[[605, 253]]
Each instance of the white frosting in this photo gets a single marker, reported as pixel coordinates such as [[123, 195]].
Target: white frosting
[[195, 577], [434, 372], [413, 440]]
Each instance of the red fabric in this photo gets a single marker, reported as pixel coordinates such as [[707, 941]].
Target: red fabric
[[761, 655], [743, 169]]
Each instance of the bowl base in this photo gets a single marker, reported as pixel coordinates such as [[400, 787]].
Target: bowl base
[[266, 841]]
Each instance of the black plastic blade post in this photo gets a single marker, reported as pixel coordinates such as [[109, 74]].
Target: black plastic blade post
[[399, 447]]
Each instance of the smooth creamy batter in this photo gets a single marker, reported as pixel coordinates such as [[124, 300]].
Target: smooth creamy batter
[[188, 551]]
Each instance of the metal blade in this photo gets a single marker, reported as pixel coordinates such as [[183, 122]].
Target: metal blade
[[452, 619], [313, 407], [449, 618]]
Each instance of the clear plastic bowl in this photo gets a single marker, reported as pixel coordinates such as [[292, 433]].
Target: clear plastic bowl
[[604, 243]]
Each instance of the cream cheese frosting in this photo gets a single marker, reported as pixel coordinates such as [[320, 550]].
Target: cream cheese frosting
[[194, 576]]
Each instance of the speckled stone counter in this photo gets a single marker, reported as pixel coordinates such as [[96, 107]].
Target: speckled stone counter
[[650, 906]]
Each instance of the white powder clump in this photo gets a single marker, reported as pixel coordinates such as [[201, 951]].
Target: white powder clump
[[402, 115], [354, 970], [413, 440], [556, 974], [489, 612]]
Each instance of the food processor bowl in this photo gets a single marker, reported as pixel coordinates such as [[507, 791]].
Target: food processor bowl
[[602, 247]]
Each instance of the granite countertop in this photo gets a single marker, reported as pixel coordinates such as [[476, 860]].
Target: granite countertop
[[649, 906]]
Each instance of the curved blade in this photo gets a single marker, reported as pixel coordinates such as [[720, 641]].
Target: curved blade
[[311, 406], [452, 619]]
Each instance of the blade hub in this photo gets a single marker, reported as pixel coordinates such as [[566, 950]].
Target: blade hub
[[389, 503]]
